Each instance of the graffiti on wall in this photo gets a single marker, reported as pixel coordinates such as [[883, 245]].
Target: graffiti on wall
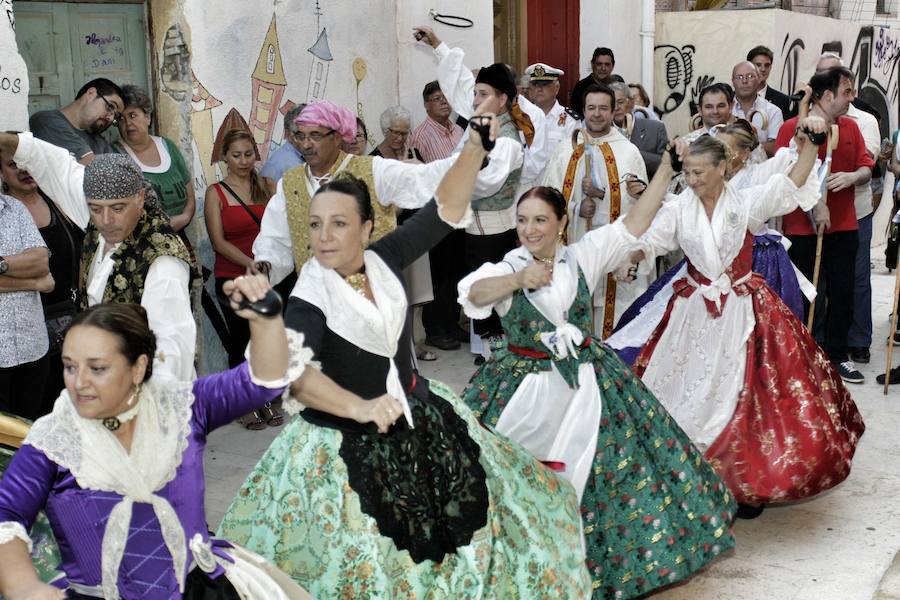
[[874, 60], [681, 82]]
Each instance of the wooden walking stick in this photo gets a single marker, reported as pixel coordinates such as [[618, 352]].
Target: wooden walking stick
[[890, 352], [820, 234], [820, 231]]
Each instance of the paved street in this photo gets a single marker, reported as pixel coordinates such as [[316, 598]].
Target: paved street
[[837, 546]]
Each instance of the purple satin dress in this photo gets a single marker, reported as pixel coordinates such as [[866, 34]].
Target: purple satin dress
[[78, 516]]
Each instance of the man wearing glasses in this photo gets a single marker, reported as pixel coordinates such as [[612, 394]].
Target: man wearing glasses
[[283, 242], [438, 135], [288, 156], [78, 126], [765, 117]]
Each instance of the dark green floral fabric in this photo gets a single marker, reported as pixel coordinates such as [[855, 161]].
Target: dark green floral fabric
[[653, 510]]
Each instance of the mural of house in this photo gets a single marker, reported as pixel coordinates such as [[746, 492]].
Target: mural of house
[[318, 70], [268, 87]]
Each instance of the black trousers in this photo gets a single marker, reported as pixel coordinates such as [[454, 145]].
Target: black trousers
[[488, 248], [22, 388], [448, 266], [837, 272], [238, 329]]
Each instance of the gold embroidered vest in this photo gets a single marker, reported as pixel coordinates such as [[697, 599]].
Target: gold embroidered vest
[[297, 198]]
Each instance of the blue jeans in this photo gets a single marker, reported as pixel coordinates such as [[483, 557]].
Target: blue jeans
[[860, 334]]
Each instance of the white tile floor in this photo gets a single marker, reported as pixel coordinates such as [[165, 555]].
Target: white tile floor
[[834, 547]]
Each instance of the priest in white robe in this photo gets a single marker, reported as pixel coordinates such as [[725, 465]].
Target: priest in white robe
[[600, 177]]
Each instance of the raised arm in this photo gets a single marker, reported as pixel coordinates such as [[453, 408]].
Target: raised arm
[[455, 191], [54, 169], [408, 185], [808, 152], [641, 214], [456, 81]]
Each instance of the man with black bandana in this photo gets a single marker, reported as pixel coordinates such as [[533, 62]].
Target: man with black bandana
[[131, 254]]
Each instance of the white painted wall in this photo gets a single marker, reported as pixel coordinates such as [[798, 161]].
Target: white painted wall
[[417, 63], [615, 24], [13, 75]]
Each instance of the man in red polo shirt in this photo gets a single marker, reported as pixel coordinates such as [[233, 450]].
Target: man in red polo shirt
[[850, 166]]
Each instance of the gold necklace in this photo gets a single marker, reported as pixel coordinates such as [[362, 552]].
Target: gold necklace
[[358, 281], [546, 260]]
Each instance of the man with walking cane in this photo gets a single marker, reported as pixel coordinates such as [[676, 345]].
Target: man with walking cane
[[835, 219]]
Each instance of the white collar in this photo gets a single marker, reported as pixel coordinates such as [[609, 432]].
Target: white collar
[[374, 327]]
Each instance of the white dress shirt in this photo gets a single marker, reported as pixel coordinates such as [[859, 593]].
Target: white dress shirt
[[868, 127], [774, 118]]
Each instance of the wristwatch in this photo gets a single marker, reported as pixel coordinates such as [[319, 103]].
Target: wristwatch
[[4, 266]]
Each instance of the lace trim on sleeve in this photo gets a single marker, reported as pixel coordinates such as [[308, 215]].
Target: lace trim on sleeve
[[10, 530], [298, 357], [466, 220]]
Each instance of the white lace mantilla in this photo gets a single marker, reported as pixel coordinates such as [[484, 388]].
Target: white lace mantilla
[[99, 462]]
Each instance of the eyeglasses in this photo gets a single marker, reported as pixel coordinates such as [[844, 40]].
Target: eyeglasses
[[111, 108], [315, 136], [748, 77], [402, 134], [440, 98]]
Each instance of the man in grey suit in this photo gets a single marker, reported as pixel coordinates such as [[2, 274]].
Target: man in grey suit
[[648, 135]]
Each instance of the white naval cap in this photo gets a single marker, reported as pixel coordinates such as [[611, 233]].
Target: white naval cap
[[542, 72]]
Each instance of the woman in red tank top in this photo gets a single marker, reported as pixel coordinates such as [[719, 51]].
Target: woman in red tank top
[[234, 209]]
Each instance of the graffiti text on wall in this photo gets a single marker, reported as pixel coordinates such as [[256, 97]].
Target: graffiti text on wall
[[12, 85], [680, 83]]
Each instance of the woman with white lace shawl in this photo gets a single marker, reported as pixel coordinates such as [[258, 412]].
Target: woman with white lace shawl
[[386, 486], [118, 465]]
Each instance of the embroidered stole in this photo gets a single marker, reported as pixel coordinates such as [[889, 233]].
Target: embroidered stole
[[615, 208], [298, 193]]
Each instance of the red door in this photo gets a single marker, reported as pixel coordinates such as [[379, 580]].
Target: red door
[[553, 34]]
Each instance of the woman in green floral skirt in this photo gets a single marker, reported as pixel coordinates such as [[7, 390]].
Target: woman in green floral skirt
[[653, 510], [386, 486]]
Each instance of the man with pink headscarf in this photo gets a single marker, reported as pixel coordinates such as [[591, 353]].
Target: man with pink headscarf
[[283, 242]]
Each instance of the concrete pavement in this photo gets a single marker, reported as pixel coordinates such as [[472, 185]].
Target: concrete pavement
[[838, 546]]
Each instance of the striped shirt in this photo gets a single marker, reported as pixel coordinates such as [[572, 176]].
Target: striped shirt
[[434, 141]]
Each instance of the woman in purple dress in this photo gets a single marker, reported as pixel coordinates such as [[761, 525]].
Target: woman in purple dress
[[118, 465]]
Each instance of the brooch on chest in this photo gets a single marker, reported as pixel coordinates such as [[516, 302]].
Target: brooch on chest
[[562, 120]]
